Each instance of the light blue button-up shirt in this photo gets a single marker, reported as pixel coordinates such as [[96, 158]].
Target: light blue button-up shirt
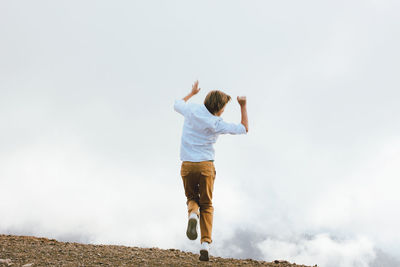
[[201, 130]]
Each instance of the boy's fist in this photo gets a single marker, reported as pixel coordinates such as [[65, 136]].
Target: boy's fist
[[195, 88], [241, 100]]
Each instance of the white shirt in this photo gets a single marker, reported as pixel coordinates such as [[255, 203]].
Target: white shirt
[[201, 130]]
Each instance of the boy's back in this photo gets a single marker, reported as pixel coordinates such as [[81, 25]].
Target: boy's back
[[201, 130]]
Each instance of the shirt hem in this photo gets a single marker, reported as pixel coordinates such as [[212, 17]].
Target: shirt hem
[[197, 160]]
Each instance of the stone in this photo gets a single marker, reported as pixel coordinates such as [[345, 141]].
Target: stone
[[6, 261]]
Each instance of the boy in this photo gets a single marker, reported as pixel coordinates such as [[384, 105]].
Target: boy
[[201, 128]]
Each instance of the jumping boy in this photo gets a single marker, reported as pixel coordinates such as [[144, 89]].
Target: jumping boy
[[201, 128]]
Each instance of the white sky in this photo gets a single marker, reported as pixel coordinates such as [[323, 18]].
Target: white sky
[[90, 142]]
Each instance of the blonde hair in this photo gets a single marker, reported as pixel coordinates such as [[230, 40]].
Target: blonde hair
[[215, 101]]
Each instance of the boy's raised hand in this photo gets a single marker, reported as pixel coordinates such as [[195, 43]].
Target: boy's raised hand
[[195, 88], [241, 100]]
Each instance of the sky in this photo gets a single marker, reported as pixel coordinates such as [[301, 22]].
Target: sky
[[90, 141]]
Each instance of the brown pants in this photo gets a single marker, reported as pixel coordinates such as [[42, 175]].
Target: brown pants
[[198, 181]]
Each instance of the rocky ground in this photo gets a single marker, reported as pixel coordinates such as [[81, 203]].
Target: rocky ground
[[30, 251]]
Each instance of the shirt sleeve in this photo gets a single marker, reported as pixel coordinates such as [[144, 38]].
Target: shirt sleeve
[[223, 127], [180, 106]]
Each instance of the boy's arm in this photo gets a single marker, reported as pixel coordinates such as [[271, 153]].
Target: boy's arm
[[181, 106], [233, 128], [195, 90], [242, 102]]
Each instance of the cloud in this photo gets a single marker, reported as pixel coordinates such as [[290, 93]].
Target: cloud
[[89, 139], [321, 250]]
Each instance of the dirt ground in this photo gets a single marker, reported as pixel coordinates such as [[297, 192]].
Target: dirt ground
[[30, 251]]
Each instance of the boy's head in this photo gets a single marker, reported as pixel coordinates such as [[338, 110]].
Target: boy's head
[[215, 102]]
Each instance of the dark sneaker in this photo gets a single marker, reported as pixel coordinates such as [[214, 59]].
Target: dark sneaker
[[191, 231], [205, 247]]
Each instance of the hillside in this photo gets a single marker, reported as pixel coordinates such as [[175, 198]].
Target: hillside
[[30, 251]]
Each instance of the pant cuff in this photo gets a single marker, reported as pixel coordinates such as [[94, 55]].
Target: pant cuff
[[206, 240]]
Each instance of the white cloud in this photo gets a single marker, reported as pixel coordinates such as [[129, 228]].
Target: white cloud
[[89, 139], [321, 250]]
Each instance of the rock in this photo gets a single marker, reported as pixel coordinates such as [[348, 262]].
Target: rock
[[27, 265], [6, 261]]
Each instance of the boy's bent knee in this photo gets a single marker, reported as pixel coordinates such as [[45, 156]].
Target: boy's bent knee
[[206, 208]]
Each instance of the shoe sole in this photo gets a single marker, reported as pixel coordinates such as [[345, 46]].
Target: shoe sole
[[191, 231], [203, 255]]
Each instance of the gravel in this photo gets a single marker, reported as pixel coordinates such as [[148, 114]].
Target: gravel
[[28, 251]]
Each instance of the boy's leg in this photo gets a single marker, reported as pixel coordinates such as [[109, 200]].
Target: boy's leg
[[206, 183], [193, 207], [190, 176], [191, 186]]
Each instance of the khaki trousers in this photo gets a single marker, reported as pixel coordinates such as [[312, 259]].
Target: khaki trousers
[[198, 181]]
